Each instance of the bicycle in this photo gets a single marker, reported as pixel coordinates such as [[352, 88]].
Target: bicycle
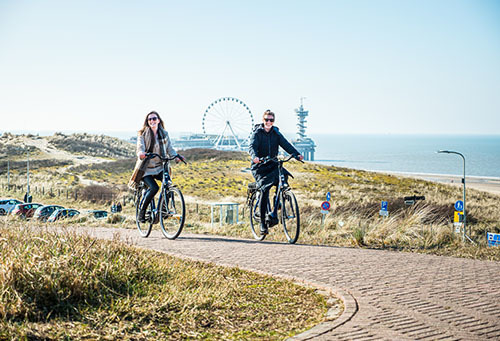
[[284, 199], [171, 201]]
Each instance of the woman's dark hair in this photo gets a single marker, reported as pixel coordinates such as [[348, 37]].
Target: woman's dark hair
[[146, 124]]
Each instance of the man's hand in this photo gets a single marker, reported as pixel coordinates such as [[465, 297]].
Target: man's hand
[[142, 156], [256, 160], [180, 158], [301, 157]]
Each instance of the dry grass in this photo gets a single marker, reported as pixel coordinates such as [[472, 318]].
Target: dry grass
[[68, 286], [356, 195]]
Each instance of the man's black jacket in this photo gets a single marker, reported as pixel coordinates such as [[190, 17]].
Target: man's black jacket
[[264, 144]]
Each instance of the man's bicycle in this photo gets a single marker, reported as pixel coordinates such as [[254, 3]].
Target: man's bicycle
[[170, 210], [284, 199]]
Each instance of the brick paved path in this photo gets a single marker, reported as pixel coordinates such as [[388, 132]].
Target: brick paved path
[[393, 295]]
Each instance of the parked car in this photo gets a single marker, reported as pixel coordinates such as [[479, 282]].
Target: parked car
[[25, 210], [7, 205], [43, 213], [63, 213], [97, 214]]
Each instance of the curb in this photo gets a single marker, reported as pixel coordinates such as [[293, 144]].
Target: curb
[[350, 309]]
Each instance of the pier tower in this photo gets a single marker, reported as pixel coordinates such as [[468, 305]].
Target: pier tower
[[305, 145]]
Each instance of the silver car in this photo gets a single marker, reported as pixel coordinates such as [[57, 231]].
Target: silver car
[[7, 205]]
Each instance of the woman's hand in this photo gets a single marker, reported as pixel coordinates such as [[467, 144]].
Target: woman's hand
[[142, 156], [256, 160]]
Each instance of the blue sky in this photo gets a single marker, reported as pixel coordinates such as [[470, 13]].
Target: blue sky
[[379, 67]]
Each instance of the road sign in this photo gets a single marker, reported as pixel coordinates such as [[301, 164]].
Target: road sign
[[384, 206], [493, 239], [458, 219], [384, 213], [459, 205], [328, 196], [325, 205]]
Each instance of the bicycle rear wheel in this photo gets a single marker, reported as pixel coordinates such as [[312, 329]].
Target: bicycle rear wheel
[[144, 228], [290, 216], [172, 212], [255, 218]]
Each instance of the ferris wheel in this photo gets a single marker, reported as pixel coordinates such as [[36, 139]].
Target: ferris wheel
[[230, 121]]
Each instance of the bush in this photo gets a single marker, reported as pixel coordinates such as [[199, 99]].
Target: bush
[[96, 193]]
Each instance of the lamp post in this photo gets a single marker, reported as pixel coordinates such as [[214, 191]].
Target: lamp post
[[463, 181], [28, 176]]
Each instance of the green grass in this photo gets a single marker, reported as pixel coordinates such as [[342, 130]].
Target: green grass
[[67, 286]]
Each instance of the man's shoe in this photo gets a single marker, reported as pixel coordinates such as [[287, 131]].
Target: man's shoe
[[263, 230], [272, 220]]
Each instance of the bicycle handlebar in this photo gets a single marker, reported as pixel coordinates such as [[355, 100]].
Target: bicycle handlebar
[[267, 159], [177, 156]]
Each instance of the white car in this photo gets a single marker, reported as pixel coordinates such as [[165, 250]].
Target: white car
[[7, 205], [63, 213]]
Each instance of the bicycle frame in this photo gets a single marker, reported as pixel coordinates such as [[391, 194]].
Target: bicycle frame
[[165, 183], [282, 184]]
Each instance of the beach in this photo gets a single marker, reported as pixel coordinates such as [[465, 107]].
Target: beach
[[486, 184]]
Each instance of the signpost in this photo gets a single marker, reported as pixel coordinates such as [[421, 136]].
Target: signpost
[[458, 217], [383, 210], [493, 239], [459, 205], [325, 207], [464, 235]]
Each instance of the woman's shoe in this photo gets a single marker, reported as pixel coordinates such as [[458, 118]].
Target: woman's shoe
[[142, 216]]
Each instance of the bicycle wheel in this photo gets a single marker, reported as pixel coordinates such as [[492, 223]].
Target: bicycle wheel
[[290, 217], [144, 228], [255, 217], [172, 212]]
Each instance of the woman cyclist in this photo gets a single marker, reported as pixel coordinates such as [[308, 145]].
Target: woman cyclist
[[152, 138]]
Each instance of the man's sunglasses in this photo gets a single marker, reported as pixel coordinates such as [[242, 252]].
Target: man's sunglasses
[[154, 118], [269, 119]]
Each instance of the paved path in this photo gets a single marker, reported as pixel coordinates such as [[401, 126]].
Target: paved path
[[393, 295]]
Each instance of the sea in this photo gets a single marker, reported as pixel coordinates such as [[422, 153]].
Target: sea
[[395, 153], [412, 153]]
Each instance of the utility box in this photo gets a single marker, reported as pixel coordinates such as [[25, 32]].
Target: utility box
[[228, 212]]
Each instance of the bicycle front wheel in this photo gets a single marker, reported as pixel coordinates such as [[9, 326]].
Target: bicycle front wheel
[[144, 228], [290, 216], [172, 212], [255, 218]]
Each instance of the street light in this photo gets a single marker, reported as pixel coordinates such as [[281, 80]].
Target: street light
[[463, 181]]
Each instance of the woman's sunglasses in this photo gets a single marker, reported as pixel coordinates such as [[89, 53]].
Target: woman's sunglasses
[[154, 118], [269, 119]]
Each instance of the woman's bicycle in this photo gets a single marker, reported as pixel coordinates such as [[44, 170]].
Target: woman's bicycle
[[170, 210], [284, 200]]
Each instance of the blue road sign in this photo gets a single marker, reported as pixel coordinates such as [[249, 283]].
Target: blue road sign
[[493, 239], [459, 205], [328, 196], [384, 206], [325, 205]]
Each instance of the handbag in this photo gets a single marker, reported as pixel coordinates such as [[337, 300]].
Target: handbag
[[135, 179]]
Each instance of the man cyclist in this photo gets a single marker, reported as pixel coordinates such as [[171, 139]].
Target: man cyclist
[[265, 142]]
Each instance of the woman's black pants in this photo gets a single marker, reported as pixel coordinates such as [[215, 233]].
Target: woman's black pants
[[153, 188]]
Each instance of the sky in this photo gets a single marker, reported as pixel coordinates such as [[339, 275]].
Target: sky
[[364, 67]]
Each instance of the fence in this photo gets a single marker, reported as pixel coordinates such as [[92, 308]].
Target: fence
[[64, 193]]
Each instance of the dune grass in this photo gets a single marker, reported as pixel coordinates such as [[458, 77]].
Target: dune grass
[[353, 219], [65, 286]]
